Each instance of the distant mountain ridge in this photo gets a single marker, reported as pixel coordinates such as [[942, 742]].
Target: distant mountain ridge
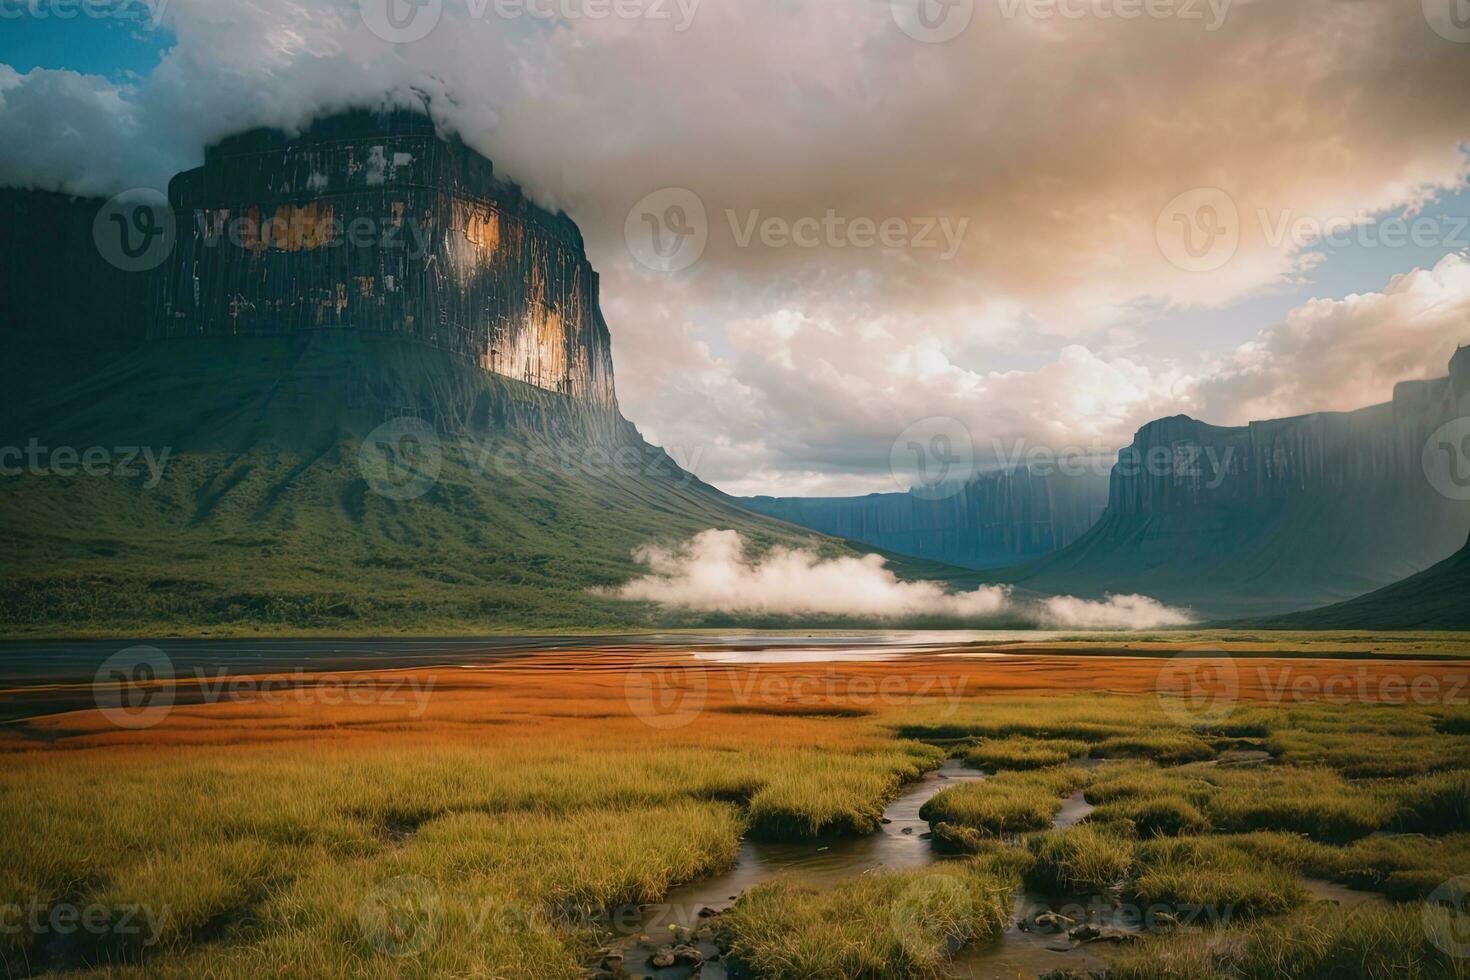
[[1273, 516], [994, 519]]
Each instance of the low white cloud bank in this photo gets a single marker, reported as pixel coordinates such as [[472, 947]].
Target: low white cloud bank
[[714, 572], [1116, 612]]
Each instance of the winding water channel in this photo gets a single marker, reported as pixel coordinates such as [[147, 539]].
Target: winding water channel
[[1021, 951], [900, 844]]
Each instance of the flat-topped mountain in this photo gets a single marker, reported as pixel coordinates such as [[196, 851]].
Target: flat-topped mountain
[[374, 391]]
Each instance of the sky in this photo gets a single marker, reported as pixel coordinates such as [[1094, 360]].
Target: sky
[[825, 225]]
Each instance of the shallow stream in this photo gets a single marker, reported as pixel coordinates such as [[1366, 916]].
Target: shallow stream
[[1021, 951], [898, 845]]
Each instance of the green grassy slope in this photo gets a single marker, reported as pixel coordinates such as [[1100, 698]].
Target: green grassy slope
[[1436, 598], [264, 522]]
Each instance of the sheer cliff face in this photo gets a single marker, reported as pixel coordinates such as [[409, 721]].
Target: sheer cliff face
[[994, 520], [1179, 463], [374, 223], [1275, 515]]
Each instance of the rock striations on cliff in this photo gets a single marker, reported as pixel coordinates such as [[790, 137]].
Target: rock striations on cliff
[[375, 223]]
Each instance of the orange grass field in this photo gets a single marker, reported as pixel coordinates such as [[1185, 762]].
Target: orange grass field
[[269, 822], [631, 694]]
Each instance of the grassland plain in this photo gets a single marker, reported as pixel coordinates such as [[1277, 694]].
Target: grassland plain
[[488, 831]]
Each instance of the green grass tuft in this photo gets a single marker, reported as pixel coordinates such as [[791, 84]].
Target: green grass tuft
[[1021, 752], [875, 926], [1079, 859]]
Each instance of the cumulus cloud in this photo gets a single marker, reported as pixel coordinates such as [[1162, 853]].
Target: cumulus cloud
[[1132, 612], [1057, 139], [1029, 128], [715, 571], [1338, 355]]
